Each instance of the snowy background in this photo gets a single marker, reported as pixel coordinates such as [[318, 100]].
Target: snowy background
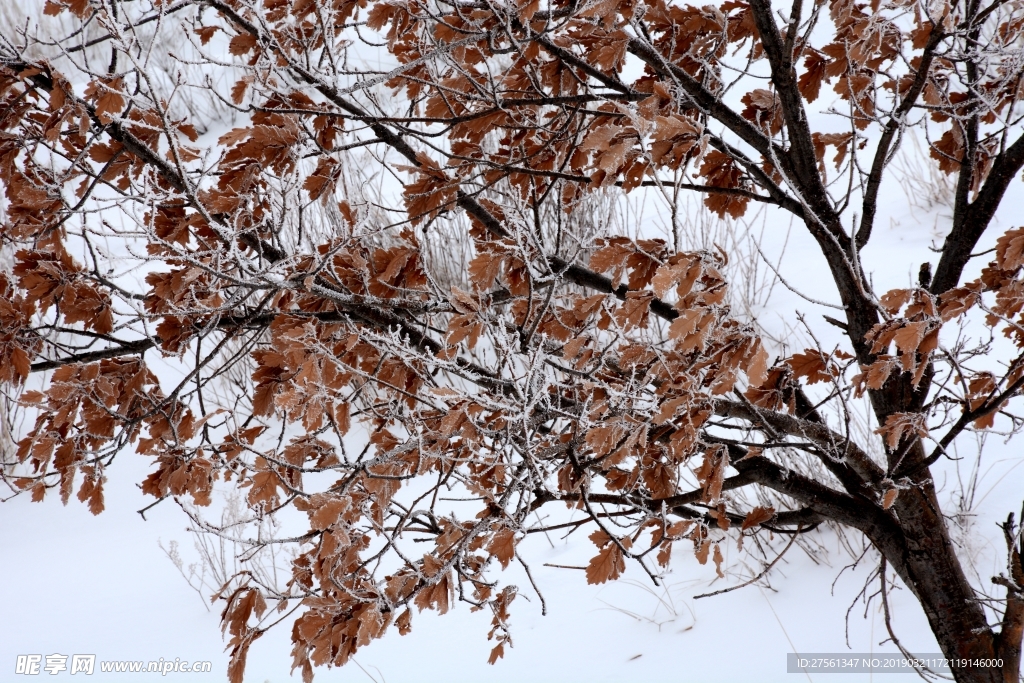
[[78, 584]]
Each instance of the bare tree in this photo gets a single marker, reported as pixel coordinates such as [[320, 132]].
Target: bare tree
[[394, 296]]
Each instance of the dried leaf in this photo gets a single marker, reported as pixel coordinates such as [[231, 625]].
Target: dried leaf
[[718, 561], [607, 565], [900, 426], [757, 516], [503, 546], [812, 365]]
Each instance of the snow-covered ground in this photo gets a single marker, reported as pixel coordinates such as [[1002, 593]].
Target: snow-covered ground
[[78, 584]]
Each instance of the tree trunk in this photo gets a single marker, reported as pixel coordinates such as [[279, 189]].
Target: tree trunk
[[931, 569]]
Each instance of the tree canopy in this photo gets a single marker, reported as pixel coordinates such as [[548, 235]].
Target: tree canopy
[[387, 295]]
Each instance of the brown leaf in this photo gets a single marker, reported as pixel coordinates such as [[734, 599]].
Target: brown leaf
[[20, 363], [764, 109], [756, 363], [814, 73], [893, 300], [900, 426], [909, 336], [206, 33], [431, 192], [634, 310], [957, 301], [404, 622], [660, 479], [948, 150], [701, 549], [812, 365], [238, 91], [711, 474], [721, 516], [600, 538], [607, 565], [327, 514], [242, 44], [107, 96], [1010, 249], [484, 270], [503, 546], [720, 170], [879, 371], [321, 181], [668, 409], [665, 553], [757, 516], [436, 595]]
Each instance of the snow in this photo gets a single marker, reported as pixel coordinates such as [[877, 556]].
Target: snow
[[78, 584], [101, 585]]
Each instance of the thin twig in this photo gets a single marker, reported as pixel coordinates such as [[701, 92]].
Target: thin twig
[[759, 576]]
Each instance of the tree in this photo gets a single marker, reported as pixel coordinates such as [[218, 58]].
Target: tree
[[354, 354]]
